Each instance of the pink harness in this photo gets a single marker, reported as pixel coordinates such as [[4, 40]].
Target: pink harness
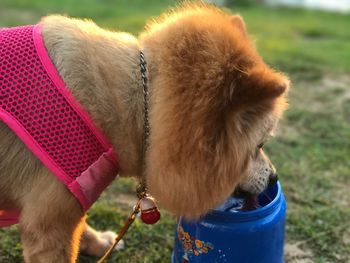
[[36, 104]]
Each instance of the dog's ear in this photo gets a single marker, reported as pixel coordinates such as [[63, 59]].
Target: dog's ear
[[258, 86], [238, 22]]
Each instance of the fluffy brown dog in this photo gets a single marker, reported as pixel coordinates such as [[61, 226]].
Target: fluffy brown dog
[[213, 103]]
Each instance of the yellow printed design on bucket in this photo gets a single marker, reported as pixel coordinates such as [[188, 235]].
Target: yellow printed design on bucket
[[192, 245]]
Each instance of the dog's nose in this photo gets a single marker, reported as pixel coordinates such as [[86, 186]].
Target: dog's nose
[[273, 178]]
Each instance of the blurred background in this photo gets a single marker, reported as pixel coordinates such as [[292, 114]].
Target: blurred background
[[307, 39]]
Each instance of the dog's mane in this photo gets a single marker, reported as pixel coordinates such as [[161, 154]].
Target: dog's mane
[[211, 98]]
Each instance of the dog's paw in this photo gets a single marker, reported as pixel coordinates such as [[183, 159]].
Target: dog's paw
[[94, 243], [109, 237]]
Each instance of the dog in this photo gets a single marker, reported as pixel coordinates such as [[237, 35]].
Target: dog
[[213, 103]]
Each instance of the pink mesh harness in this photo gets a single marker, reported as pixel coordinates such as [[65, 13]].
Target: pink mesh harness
[[36, 104]]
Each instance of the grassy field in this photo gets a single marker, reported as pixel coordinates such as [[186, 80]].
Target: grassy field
[[311, 150]]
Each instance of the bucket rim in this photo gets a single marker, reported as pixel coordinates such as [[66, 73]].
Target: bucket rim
[[253, 214]]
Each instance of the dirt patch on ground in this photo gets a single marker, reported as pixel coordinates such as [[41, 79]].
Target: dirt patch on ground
[[346, 238], [341, 195], [294, 253], [329, 93]]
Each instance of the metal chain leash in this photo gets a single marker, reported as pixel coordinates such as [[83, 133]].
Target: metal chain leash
[[146, 127], [121, 233], [141, 189]]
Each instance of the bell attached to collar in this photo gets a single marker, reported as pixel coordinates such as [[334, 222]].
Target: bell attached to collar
[[149, 210]]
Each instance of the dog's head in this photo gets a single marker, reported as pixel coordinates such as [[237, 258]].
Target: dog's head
[[213, 103]]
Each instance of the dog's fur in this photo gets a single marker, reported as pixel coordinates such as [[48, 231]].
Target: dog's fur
[[212, 102]]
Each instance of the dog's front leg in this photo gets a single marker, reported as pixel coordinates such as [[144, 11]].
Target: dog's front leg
[[51, 222]]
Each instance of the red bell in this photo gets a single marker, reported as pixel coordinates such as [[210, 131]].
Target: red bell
[[149, 210], [151, 216]]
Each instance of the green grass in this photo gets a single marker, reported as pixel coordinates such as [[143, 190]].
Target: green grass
[[312, 147], [302, 42]]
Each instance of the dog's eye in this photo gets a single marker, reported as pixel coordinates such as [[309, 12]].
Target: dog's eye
[[261, 145]]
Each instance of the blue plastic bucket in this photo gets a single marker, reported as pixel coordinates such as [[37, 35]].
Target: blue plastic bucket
[[255, 236]]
